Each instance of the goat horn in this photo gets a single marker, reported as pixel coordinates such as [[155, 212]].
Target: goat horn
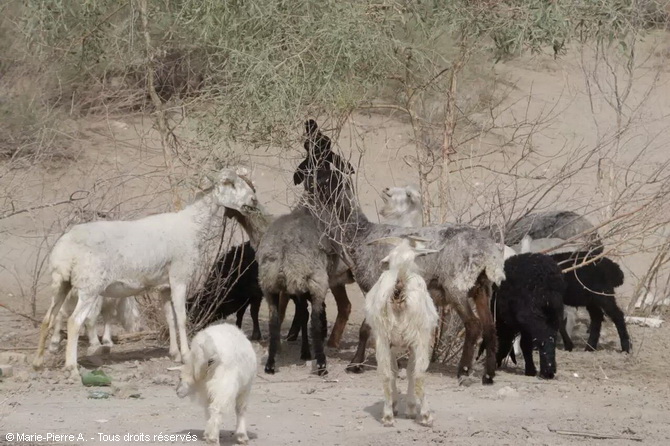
[[386, 241]]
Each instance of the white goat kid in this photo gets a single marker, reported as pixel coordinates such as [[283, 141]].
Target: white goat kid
[[402, 206], [124, 311], [218, 374], [125, 258], [402, 315]]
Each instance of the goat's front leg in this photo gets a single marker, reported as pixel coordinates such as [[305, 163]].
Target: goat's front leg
[[482, 298], [179, 302], [472, 332], [385, 370], [172, 328]]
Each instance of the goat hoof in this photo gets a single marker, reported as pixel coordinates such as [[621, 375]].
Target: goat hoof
[[487, 379], [530, 373], [211, 438], [292, 337], [270, 369], [425, 419], [388, 421], [354, 368], [465, 380], [176, 357], [94, 350], [547, 375], [256, 337], [241, 438], [71, 373], [306, 356], [588, 348], [333, 344], [38, 363], [321, 370]]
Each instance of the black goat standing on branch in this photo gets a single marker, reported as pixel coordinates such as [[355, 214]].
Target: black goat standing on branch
[[319, 156]]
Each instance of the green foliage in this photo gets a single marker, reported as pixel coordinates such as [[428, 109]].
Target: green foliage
[[261, 66]]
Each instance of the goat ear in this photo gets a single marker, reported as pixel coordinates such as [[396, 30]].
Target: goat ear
[[385, 261], [417, 242]]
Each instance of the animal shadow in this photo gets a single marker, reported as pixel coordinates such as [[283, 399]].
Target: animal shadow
[[226, 437]]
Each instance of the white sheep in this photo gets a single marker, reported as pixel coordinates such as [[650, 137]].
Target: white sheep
[[218, 374], [125, 258], [124, 311], [402, 315]]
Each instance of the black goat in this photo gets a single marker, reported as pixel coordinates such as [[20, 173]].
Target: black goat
[[231, 286], [530, 301], [319, 156], [592, 286]]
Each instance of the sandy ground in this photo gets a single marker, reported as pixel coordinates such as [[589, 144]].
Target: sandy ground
[[605, 392]]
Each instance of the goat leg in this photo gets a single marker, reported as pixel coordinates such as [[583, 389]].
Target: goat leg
[[356, 364], [343, 312], [275, 327]]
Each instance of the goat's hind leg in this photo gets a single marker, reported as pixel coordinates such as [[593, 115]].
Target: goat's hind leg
[[612, 310], [418, 364], [240, 409], [317, 333], [482, 296], [62, 290], [356, 364], [87, 300], [343, 312], [274, 329]]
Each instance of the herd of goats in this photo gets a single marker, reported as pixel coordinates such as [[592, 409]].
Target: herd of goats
[[406, 271]]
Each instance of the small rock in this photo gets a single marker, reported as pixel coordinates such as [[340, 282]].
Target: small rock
[[162, 379], [471, 419], [22, 376], [13, 358], [507, 391], [125, 391], [6, 370], [316, 414], [402, 374], [575, 375], [98, 394]]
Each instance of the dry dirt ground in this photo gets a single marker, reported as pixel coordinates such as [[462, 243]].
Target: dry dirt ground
[[605, 393]]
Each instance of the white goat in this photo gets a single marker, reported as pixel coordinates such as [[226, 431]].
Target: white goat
[[218, 373], [125, 258], [124, 312], [402, 315], [402, 206]]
